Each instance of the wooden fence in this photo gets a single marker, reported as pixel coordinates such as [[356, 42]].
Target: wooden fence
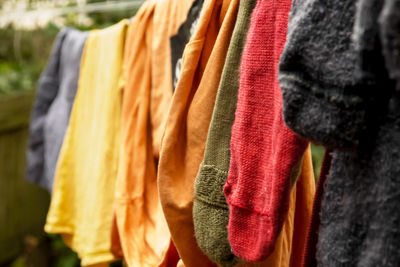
[[23, 206]]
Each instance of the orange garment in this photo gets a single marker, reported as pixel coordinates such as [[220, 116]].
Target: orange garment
[[169, 15], [140, 231], [305, 188], [187, 124]]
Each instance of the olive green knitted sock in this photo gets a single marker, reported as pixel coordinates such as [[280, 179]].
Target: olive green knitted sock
[[210, 211]]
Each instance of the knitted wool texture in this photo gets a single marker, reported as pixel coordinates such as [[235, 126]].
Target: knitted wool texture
[[337, 92], [210, 211], [265, 154], [319, 70]]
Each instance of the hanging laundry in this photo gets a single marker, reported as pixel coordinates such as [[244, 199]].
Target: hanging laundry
[[187, 124], [50, 115], [141, 233], [210, 211], [337, 92], [82, 202], [129, 203], [266, 156]]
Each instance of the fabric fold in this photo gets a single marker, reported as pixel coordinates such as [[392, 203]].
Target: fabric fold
[[140, 232]]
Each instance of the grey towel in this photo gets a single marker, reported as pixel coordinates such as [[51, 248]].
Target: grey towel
[[50, 115], [338, 75]]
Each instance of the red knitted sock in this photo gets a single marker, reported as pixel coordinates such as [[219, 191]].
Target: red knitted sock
[[265, 154]]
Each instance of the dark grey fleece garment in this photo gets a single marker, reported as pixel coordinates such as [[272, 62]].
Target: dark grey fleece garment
[[337, 91], [319, 66], [50, 115]]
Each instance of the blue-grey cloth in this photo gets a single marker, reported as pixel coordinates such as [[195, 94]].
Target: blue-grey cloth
[[51, 111], [338, 75]]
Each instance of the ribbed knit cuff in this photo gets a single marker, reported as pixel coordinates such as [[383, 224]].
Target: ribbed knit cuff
[[209, 186], [241, 230], [327, 117], [210, 216]]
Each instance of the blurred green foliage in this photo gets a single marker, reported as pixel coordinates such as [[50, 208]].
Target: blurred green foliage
[[317, 159], [24, 53], [62, 255]]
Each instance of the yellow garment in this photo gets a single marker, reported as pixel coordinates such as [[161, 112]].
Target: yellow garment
[[82, 203]]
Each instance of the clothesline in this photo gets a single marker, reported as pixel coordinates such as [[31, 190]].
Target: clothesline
[[31, 19], [88, 8]]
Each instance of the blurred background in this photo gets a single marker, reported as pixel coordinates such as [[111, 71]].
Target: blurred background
[[27, 31]]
